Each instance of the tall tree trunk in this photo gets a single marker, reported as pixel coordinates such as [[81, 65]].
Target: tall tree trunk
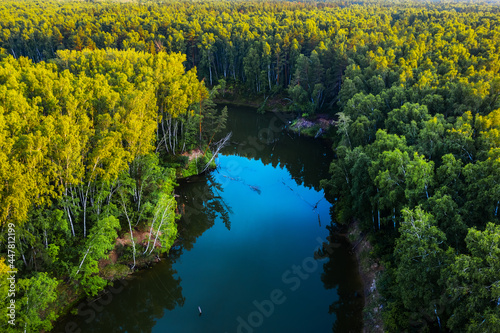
[[129, 226], [81, 263]]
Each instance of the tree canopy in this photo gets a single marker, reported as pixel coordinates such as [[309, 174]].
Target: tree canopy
[[99, 100]]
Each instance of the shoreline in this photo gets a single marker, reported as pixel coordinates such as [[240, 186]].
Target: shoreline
[[369, 270], [112, 268], [316, 126]]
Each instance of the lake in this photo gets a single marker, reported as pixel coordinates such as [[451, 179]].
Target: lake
[[255, 252]]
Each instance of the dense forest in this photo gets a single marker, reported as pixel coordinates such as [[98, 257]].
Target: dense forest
[[99, 100]]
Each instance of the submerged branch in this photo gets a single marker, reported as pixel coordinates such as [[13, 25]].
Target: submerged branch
[[218, 146]]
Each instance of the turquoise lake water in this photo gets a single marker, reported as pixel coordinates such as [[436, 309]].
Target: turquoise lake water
[[247, 254]]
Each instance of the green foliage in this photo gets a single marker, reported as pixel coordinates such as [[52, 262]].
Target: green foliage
[[163, 230], [100, 241], [407, 121], [141, 187], [78, 136], [307, 89], [420, 257], [193, 167], [34, 310], [418, 130], [473, 282], [446, 212], [90, 109]]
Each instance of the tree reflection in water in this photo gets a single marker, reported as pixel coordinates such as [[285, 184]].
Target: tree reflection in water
[[159, 290], [349, 303]]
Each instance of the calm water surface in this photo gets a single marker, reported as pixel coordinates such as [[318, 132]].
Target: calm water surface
[[254, 252]]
